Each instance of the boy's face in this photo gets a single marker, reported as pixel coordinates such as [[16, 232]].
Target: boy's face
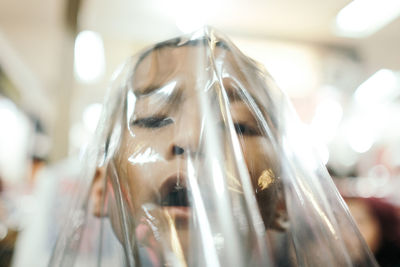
[[165, 130]]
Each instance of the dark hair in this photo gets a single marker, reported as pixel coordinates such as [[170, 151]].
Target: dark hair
[[388, 253]]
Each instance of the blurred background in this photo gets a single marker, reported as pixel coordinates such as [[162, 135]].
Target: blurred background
[[338, 60]]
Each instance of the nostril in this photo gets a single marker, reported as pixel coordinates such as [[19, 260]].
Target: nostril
[[177, 150]]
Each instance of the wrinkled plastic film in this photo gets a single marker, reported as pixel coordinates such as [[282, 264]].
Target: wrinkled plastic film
[[199, 160]]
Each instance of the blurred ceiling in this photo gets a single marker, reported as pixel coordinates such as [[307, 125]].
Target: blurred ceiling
[[152, 20], [308, 20], [304, 20]]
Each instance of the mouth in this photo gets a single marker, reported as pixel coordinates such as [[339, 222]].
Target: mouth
[[177, 197], [174, 198], [174, 193]]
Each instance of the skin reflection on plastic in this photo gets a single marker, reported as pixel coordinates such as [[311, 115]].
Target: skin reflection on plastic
[[266, 178], [143, 155]]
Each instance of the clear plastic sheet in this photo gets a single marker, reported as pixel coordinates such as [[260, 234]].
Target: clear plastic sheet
[[200, 160]]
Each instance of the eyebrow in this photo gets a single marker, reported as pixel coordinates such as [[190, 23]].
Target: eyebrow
[[168, 88], [147, 91], [234, 94], [168, 101]]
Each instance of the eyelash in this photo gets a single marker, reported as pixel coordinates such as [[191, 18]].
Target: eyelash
[[243, 129], [153, 122]]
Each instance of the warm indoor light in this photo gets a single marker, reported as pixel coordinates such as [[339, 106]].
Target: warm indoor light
[[382, 86], [361, 18], [89, 56]]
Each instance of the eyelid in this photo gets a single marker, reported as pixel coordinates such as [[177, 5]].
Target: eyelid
[[248, 131], [157, 121]]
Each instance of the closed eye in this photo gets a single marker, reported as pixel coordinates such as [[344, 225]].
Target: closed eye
[[245, 129], [153, 122]]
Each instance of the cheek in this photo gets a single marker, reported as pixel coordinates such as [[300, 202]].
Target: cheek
[[138, 165], [139, 187], [143, 182], [264, 170], [260, 161]]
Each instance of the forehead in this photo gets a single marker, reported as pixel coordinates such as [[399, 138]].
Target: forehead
[[189, 66]]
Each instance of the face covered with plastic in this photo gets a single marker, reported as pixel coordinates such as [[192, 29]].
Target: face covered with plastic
[[166, 131], [203, 164], [192, 155]]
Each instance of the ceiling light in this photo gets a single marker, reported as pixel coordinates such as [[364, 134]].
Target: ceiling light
[[362, 18], [382, 86], [89, 62]]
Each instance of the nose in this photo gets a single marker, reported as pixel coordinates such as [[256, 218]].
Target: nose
[[187, 133], [177, 150]]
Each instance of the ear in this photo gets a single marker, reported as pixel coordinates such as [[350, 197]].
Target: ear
[[281, 218], [98, 192]]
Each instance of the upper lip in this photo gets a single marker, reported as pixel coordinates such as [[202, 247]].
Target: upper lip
[[173, 192]]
